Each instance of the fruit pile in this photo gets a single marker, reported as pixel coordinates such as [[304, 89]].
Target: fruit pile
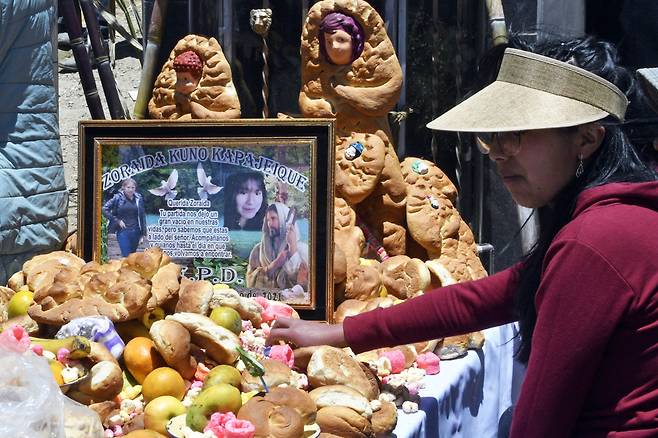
[[189, 359]]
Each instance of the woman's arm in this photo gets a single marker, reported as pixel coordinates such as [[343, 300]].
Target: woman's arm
[[455, 309], [109, 206], [447, 311]]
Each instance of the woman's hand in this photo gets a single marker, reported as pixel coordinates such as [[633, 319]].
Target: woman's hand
[[306, 333], [122, 224]]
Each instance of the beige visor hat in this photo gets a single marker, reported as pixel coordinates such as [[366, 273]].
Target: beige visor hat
[[535, 92]]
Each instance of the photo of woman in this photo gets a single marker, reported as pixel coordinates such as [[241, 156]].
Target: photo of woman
[[127, 217], [245, 201]]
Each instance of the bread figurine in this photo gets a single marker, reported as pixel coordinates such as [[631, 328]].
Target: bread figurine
[[195, 83]]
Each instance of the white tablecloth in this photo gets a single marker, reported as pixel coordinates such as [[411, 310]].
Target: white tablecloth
[[468, 396]]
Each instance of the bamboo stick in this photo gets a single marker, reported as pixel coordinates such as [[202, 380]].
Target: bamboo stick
[[74, 29], [497, 22], [151, 50], [102, 61]]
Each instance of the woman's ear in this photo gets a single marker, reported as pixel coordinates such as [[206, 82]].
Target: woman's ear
[[590, 137]]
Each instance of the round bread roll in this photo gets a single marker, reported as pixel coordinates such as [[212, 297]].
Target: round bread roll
[[247, 307], [343, 422], [348, 308], [194, 296], [276, 374], [372, 378], [220, 343], [404, 276], [172, 341], [296, 399], [362, 282], [384, 420], [104, 382], [341, 395], [270, 420], [303, 356], [333, 366]]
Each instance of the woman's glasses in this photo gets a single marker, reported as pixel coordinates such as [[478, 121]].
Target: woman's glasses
[[509, 142]]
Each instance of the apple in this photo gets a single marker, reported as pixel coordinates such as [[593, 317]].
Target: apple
[[160, 410], [221, 397], [223, 374]]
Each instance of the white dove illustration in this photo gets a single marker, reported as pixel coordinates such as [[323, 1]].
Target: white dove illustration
[[207, 187], [166, 188]]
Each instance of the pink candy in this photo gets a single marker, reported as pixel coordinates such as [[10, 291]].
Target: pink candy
[[63, 355], [264, 302], [239, 429], [396, 358], [217, 423], [284, 354], [15, 339], [225, 425], [274, 310], [429, 362]]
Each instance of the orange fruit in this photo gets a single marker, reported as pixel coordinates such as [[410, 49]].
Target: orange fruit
[[163, 381], [141, 357]]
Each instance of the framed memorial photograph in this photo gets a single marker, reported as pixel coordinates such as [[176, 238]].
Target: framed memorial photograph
[[242, 203]]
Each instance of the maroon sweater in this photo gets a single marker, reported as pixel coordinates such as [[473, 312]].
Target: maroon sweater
[[593, 369]]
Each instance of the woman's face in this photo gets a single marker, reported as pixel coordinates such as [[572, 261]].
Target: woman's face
[[544, 164], [338, 45], [129, 189], [249, 199], [186, 82]]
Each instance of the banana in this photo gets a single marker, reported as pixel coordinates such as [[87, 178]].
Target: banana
[[79, 346], [131, 389]]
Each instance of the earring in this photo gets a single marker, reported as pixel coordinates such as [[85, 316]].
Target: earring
[[580, 169]]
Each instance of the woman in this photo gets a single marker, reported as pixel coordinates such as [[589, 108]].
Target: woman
[[127, 216], [245, 201], [586, 295]]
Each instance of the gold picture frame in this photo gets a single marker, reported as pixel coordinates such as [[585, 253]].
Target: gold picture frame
[[247, 203]]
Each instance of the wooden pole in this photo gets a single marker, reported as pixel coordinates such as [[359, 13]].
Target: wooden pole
[[497, 22], [74, 29], [103, 62], [151, 50]]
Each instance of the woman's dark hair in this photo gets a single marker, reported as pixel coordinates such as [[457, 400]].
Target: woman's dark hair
[[339, 21], [615, 161], [231, 215]]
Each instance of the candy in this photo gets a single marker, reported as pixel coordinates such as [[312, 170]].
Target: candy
[[37, 349], [63, 355], [397, 360], [274, 310], [429, 362], [15, 339], [239, 429], [283, 354]]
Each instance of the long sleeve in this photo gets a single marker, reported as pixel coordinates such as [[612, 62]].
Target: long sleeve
[[108, 207], [580, 302], [446, 311]]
